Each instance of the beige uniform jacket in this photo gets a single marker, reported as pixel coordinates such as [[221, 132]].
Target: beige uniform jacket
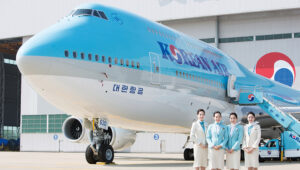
[[253, 139], [197, 135]]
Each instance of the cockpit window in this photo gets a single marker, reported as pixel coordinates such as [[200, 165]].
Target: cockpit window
[[83, 12], [89, 12], [95, 13], [102, 15]]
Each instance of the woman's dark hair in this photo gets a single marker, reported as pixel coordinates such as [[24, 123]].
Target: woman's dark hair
[[251, 113], [200, 110], [234, 114], [217, 112]]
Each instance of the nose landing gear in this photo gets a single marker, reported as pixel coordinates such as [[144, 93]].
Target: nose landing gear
[[100, 149]]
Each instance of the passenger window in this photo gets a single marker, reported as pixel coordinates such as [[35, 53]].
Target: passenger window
[[95, 13], [109, 60], [116, 60], [66, 53], [127, 63], [102, 15], [157, 69], [82, 55], [74, 54], [103, 59], [180, 74], [96, 57], [122, 62], [137, 65], [90, 56], [132, 64], [176, 73], [183, 74], [82, 12]]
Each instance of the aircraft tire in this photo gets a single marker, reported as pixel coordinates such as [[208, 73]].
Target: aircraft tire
[[294, 159], [90, 157], [261, 159], [106, 154], [188, 154]]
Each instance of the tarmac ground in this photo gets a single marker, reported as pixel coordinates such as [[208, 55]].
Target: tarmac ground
[[130, 161]]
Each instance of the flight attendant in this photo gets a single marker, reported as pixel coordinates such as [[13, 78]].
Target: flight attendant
[[252, 135], [217, 136], [198, 136], [235, 139]]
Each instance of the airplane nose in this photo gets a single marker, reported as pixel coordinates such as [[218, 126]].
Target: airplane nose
[[30, 64], [33, 56], [39, 53]]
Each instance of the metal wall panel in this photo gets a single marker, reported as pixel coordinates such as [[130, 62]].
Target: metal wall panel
[[48, 142], [260, 23], [198, 28], [22, 18], [249, 52]]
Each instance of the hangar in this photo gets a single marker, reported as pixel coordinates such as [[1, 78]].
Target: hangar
[[247, 31]]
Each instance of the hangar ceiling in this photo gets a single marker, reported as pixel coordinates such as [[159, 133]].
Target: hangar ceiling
[[10, 46]]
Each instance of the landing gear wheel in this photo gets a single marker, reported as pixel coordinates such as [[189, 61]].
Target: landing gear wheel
[[261, 159], [90, 157], [188, 154], [106, 154]]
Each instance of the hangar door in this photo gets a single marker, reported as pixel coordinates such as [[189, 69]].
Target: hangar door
[[10, 89]]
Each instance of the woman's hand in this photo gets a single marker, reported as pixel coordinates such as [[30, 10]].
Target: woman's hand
[[250, 150], [217, 147], [203, 146], [229, 151]]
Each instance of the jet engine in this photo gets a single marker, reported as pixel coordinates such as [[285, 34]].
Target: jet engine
[[74, 130], [79, 131]]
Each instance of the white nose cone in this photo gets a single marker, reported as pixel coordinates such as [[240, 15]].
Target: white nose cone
[[29, 62]]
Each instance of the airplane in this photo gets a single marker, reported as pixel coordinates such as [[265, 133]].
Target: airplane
[[117, 74]]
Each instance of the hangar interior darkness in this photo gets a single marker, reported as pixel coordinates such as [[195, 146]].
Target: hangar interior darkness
[[10, 92]]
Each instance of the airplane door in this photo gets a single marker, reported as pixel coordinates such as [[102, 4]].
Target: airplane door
[[155, 68]]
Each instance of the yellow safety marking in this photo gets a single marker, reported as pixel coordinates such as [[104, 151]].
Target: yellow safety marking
[[104, 163], [93, 124], [281, 156]]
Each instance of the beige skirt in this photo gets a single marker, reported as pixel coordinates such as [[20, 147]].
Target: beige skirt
[[233, 160], [251, 160], [200, 156], [216, 159]]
